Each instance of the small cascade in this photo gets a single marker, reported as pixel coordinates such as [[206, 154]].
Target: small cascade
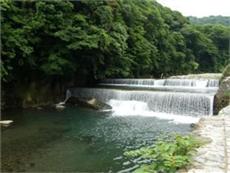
[[186, 82], [130, 81], [167, 102], [213, 83], [197, 83], [67, 96]]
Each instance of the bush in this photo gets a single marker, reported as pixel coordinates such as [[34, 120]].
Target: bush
[[166, 156]]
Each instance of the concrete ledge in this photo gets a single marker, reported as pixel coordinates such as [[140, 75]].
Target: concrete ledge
[[213, 157]]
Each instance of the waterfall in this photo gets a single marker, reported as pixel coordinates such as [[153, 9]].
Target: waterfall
[[67, 96], [167, 102], [198, 83], [128, 107], [130, 81], [180, 100]]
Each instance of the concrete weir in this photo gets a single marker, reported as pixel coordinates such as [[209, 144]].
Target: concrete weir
[[213, 157]]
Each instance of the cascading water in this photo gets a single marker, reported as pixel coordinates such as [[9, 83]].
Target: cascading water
[[165, 82], [178, 104], [127, 107], [206, 85], [67, 96]]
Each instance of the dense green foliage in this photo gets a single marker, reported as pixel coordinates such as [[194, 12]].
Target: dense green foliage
[[167, 156], [220, 37], [98, 39], [224, 20]]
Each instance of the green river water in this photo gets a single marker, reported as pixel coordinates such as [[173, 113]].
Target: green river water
[[77, 140]]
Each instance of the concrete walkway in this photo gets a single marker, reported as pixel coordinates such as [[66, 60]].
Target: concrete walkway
[[213, 157]]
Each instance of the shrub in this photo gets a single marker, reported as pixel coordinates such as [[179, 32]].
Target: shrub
[[166, 156]]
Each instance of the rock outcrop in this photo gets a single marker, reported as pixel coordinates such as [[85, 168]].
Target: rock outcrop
[[89, 103], [222, 98]]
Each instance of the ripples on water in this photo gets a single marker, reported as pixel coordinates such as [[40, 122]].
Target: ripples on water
[[78, 140]]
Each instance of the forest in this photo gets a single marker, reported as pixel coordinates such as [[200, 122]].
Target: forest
[[86, 41], [224, 20]]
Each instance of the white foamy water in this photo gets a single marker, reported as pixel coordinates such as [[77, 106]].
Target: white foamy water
[[138, 108], [128, 107], [178, 103], [176, 100]]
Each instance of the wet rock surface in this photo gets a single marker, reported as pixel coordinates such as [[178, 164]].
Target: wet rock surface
[[215, 155]]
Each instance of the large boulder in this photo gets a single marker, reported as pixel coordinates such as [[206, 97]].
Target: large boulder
[[92, 103]]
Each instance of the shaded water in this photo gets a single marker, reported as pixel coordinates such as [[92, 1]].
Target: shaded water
[[78, 140]]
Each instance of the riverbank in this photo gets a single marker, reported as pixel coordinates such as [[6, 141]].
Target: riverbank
[[215, 155]]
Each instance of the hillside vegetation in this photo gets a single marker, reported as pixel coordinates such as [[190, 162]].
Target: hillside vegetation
[[62, 42], [223, 20]]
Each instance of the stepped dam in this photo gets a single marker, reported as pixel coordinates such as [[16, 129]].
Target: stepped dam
[[171, 98]]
